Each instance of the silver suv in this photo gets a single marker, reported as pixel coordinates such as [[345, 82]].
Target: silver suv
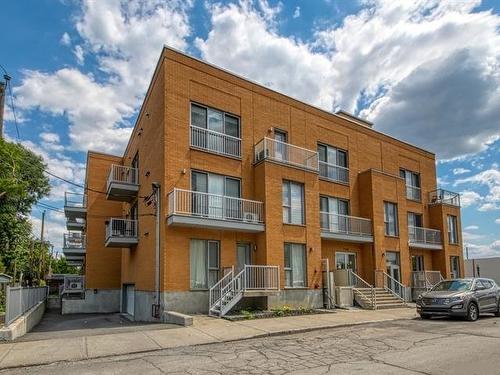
[[460, 297]]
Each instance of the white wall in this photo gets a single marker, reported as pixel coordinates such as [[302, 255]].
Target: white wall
[[488, 267]]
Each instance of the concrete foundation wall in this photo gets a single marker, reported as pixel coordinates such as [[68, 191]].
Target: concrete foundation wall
[[143, 306], [104, 301], [310, 298], [24, 323], [344, 296], [193, 302]]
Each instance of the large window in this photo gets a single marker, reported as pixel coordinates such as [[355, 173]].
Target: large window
[[452, 229], [293, 203], [412, 181], [215, 130], [204, 261], [333, 214], [391, 219], [333, 163], [414, 222], [295, 265]]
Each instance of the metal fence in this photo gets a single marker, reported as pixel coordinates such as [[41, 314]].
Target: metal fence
[[333, 172], [19, 300], [286, 153], [216, 142]]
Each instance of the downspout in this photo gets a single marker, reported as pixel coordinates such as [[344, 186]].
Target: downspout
[[156, 308]]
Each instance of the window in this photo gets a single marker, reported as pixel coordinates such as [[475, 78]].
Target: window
[[293, 203], [455, 267], [333, 214], [452, 229], [391, 219], [204, 263], [412, 180], [415, 222], [221, 189], [215, 131], [295, 265], [333, 163], [417, 263]]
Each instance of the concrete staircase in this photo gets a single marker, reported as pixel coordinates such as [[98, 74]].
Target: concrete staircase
[[376, 298]]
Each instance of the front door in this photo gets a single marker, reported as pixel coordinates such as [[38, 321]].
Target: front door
[[130, 299], [346, 261], [455, 269], [281, 151], [393, 270], [243, 255]]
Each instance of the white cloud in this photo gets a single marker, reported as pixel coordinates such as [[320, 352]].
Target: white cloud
[[484, 251], [426, 69], [471, 227], [296, 12], [489, 178], [54, 229], [469, 198], [126, 38], [65, 39], [467, 236], [457, 171], [79, 54], [497, 221]]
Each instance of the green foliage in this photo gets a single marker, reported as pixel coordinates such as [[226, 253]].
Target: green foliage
[[22, 184], [248, 315], [61, 266]]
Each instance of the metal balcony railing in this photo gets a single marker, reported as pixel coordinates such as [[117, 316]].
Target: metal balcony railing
[[414, 193], [344, 224], [218, 143], [286, 153], [75, 200], [74, 241], [121, 228], [333, 172], [425, 236], [425, 279], [123, 175], [444, 196], [213, 206]]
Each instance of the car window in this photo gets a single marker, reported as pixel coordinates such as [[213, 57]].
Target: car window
[[487, 284], [453, 285]]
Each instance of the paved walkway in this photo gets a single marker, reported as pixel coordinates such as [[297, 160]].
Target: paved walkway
[[205, 330]]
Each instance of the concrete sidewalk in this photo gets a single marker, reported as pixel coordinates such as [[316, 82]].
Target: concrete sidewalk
[[204, 330]]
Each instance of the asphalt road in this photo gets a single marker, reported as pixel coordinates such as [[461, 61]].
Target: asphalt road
[[402, 347]]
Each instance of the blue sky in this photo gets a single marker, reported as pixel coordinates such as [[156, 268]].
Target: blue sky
[[425, 71]]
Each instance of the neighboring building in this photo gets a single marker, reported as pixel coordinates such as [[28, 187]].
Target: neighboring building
[[483, 267], [246, 175]]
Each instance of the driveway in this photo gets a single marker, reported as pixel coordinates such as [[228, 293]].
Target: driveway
[[440, 346], [55, 325]]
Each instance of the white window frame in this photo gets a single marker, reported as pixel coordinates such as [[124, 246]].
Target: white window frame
[[452, 223], [387, 220], [209, 270], [289, 268], [288, 205]]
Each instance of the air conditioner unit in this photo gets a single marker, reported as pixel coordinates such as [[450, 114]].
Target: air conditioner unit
[[76, 285], [250, 216]]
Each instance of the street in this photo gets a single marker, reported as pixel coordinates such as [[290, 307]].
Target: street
[[439, 346]]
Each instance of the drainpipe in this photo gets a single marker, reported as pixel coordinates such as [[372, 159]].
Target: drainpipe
[[156, 308]]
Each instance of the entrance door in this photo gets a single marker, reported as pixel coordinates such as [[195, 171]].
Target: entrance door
[[281, 152], [129, 299], [455, 268], [243, 255], [393, 270], [346, 261]]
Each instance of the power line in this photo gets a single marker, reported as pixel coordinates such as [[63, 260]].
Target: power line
[[9, 87]]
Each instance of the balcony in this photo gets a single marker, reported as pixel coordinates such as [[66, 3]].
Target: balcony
[[121, 233], [75, 224], [345, 228], [413, 193], [441, 196], [215, 142], [285, 153], [75, 205], [74, 244], [123, 183], [424, 238], [204, 210], [75, 260], [332, 172]]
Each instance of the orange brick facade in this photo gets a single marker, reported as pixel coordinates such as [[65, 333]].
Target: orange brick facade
[[161, 139]]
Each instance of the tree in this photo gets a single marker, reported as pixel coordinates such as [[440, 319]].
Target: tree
[[60, 265], [22, 184]]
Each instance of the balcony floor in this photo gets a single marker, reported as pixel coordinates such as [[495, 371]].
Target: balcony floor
[[344, 237], [121, 241], [75, 212], [122, 192], [426, 246], [210, 223], [71, 251], [71, 225]]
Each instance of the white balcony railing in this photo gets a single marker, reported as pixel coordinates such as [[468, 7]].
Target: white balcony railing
[[121, 228], [75, 200], [425, 236], [123, 175], [444, 196], [286, 153], [213, 206], [344, 224], [414, 193], [333, 172], [425, 279], [262, 277], [74, 241], [215, 142]]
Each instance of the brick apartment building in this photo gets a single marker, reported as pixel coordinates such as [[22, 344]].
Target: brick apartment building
[[228, 189]]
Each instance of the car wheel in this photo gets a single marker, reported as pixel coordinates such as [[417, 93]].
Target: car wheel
[[425, 316], [472, 312]]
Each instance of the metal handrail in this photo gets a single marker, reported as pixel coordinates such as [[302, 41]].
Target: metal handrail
[[372, 296], [213, 141], [401, 286], [261, 277], [123, 174], [439, 196], [424, 235], [214, 293], [283, 152], [74, 240], [339, 223], [70, 199], [414, 193], [341, 171], [122, 228]]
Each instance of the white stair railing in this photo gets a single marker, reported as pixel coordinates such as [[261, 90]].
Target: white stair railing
[[363, 288], [392, 285], [215, 292]]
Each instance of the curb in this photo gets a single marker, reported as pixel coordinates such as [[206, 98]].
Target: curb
[[263, 335]]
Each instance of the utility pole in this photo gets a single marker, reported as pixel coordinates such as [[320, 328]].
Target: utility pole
[[3, 90], [41, 246]]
